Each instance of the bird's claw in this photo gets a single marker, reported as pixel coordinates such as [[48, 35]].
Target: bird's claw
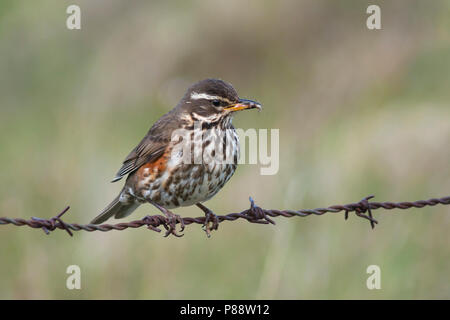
[[211, 222], [170, 226], [171, 221]]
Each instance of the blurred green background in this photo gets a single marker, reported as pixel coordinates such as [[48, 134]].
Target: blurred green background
[[360, 112]]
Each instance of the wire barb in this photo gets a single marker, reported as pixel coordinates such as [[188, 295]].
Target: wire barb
[[257, 214], [50, 224], [254, 214]]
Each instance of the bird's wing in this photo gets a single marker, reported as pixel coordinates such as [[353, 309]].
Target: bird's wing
[[151, 147]]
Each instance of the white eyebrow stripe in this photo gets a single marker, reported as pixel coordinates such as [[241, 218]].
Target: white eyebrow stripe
[[197, 96]]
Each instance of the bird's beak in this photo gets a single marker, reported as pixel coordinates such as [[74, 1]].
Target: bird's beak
[[244, 104]]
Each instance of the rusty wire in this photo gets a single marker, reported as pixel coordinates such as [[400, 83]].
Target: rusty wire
[[254, 214]]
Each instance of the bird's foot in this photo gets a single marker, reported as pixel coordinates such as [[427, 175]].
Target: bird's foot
[[171, 223], [211, 220], [211, 223], [173, 219]]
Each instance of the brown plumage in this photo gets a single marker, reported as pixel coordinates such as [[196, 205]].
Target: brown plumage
[[156, 171]]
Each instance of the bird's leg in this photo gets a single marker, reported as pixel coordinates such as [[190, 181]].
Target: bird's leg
[[172, 221], [209, 217]]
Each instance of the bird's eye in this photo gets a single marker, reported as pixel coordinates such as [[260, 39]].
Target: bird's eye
[[216, 103]]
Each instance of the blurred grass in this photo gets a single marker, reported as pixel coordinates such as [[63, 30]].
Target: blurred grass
[[359, 112]]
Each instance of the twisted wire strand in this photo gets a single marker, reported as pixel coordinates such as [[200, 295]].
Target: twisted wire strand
[[254, 214]]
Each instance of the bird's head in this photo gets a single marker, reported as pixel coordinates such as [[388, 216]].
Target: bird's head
[[214, 99]]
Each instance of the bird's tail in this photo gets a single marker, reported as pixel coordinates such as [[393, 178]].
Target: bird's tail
[[116, 209]]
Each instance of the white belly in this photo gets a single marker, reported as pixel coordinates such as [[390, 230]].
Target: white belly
[[189, 181]]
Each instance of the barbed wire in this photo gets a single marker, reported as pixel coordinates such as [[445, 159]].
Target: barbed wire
[[254, 214]]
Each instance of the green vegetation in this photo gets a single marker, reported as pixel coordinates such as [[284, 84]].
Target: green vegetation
[[360, 112]]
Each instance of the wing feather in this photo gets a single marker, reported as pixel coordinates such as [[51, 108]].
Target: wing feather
[[151, 147]]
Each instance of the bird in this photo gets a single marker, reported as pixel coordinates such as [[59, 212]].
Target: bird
[[180, 161]]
